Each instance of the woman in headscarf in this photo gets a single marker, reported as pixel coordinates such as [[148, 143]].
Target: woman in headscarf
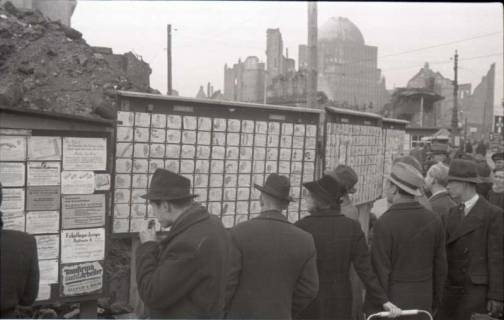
[[340, 242]]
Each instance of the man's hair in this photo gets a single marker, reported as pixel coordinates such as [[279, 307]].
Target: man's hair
[[321, 203], [179, 203], [439, 171]]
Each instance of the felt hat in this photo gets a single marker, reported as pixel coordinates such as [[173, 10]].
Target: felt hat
[[464, 171], [407, 178], [498, 156], [276, 186], [346, 176], [484, 172], [412, 161], [326, 188], [167, 185]]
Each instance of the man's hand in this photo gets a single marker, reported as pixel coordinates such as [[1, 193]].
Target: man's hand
[[392, 308], [495, 308], [148, 234]]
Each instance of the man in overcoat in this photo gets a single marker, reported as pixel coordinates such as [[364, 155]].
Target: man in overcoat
[[184, 274], [408, 252], [435, 182], [474, 248], [274, 271]]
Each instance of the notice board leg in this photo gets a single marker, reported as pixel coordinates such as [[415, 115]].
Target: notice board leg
[[134, 297], [88, 309]]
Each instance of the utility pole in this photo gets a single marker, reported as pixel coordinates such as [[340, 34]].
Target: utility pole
[[311, 91], [169, 60], [454, 121]]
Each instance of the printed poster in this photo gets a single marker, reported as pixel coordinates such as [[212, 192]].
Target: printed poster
[[44, 148], [13, 199], [48, 246], [42, 222], [85, 154], [77, 182], [83, 211], [81, 278], [12, 148], [13, 220], [12, 174], [48, 271], [43, 198], [44, 173], [82, 245]]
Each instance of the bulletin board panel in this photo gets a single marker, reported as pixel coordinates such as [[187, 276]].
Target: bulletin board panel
[[355, 139], [56, 186], [394, 134], [224, 148]]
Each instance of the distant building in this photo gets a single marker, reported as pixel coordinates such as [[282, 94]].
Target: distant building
[[57, 10], [245, 81], [276, 63], [347, 68], [480, 111]]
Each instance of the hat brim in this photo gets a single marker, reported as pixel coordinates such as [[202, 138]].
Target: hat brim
[[316, 188], [149, 196], [470, 180], [272, 193], [404, 187], [485, 180]]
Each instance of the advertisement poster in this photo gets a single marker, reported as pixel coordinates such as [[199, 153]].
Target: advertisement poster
[[83, 211], [13, 199], [12, 148], [81, 278], [44, 173], [85, 154], [44, 148], [102, 181], [82, 245], [38, 222], [43, 198], [12, 174], [48, 246], [48, 271], [13, 220], [77, 182]]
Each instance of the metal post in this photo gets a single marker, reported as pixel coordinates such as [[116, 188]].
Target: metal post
[[312, 56], [169, 57], [454, 122], [421, 111]]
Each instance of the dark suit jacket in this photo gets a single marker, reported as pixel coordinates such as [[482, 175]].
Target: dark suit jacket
[[274, 274], [441, 204], [409, 257], [339, 242], [19, 271], [475, 248], [184, 276]]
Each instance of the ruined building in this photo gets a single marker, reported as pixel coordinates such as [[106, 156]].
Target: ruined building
[[57, 10], [245, 81]]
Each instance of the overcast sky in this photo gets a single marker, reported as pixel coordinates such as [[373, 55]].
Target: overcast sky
[[210, 34]]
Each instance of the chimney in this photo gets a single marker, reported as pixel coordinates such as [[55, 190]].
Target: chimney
[[287, 53]]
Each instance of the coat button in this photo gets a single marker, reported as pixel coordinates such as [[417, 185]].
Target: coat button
[[466, 250]]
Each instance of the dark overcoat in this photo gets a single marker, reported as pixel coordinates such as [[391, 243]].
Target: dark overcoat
[[274, 269], [409, 257], [184, 276], [441, 204], [475, 260], [19, 271], [340, 242]]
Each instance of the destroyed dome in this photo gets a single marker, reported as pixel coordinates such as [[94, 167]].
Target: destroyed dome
[[340, 29]]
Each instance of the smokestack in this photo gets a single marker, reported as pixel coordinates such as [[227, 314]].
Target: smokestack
[[312, 55]]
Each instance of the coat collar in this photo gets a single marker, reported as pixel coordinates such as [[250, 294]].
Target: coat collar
[[272, 215], [469, 223], [325, 213], [191, 216], [402, 206]]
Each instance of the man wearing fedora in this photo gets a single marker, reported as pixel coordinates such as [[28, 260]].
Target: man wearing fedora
[[184, 274], [474, 248], [274, 272], [408, 252]]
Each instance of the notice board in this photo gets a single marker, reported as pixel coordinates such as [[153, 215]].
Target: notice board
[[53, 189], [222, 148]]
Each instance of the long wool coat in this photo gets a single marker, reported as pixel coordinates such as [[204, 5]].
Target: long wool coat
[[340, 242], [274, 274], [475, 260], [409, 257], [184, 276]]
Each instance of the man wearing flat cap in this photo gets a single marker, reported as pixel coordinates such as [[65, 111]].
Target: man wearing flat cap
[[474, 248], [408, 252], [274, 271], [184, 274], [498, 159]]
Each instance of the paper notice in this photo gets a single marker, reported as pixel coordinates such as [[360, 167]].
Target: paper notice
[[42, 222], [82, 245], [48, 246], [83, 211], [77, 182], [102, 181], [12, 174], [13, 199], [48, 271], [12, 148], [44, 292], [81, 278], [13, 221], [44, 148], [44, 173], [43, 198], [85, 154]]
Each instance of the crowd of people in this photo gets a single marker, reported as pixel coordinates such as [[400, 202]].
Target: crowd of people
[[436, 244]]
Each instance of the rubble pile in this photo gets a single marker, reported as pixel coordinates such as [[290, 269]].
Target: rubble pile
[[47, 66]]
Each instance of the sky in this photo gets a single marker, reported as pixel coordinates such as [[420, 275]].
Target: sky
[[207, 35]]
